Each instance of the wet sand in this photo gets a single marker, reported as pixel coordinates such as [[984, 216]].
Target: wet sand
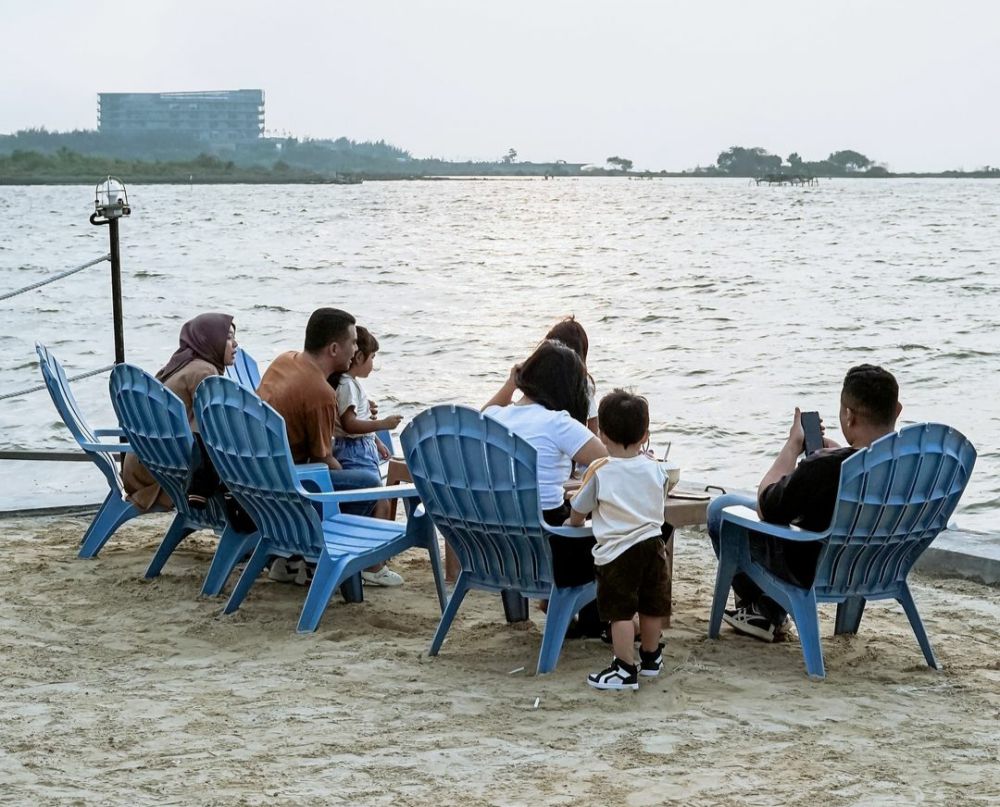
[[115, 690]]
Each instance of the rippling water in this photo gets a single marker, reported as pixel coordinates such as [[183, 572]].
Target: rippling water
[[724, 303]]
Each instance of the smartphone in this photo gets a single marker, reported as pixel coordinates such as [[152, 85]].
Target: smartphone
[[814, 434]]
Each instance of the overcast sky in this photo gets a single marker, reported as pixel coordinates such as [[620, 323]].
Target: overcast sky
[[913, 83]]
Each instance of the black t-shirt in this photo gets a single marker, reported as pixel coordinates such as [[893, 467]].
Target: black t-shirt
[[807, 496]]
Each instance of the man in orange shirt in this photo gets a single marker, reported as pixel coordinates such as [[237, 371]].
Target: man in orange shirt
[[296, 386]]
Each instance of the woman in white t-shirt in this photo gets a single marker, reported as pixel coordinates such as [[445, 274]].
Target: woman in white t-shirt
[[551, 416]]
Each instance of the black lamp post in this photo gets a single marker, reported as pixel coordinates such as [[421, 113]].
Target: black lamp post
[[111, 203]]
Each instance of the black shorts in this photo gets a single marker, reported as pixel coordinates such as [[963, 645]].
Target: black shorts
[[637, 581]]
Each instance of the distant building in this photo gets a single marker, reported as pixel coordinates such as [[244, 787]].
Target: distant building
[[223, 117]]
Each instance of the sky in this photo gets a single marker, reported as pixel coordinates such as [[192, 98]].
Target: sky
[[669, 84]]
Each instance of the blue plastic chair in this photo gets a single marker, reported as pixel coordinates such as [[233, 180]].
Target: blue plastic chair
[[244, 370], [116, 509], [156, 424], [894, 498], [247, 442], [478, 482]]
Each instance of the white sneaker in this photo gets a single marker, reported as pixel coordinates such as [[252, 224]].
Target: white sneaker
[[383, 577]]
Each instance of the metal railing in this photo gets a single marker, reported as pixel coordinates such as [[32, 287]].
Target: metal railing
[[107, 213]]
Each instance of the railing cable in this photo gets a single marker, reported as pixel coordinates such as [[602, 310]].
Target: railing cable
[[54, 278], [29, 390]]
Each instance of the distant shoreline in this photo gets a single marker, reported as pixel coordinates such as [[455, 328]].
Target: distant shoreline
[[133, 179]]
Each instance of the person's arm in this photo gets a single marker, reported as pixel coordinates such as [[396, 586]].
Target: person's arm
[[585, 500], [319, 423], [352, 424], [505, 394], [785, 462], [592, 450]]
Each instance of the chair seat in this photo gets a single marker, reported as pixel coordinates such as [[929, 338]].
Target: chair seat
[[346, 534]]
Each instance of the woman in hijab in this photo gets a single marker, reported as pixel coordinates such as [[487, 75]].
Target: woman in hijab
[[207, 346]]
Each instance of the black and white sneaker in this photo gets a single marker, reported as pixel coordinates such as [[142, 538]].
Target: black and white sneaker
[[651, 661], [750, 622], [618, 676]]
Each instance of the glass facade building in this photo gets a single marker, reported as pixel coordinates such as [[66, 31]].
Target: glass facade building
[[226, 116]]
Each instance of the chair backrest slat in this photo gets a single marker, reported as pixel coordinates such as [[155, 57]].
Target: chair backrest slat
[[69, 410], [894, 499], [244, 370], [478, 482], [156, 424], [247, 442]]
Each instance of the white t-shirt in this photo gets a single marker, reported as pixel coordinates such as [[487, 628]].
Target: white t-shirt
[[555, 436], [626, 497], [350, 393]]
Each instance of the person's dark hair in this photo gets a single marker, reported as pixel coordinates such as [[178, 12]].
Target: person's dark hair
[[325, 326], [555, 377], [571, 333], [623, 417], [872, 392], [367, 343]]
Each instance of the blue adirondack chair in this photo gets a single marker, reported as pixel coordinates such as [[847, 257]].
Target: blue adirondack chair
[[116, 509], [247, 442], [244, 370], [156, 424], [478, 482], [894, 498]]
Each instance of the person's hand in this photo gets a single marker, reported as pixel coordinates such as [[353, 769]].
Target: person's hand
[[383, 452], [796, 434], [372, 409], [392, 421], [828, 443], [512, 375]]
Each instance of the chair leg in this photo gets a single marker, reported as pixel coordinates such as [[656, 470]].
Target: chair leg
[[328, 574], [515, 607], [250, 572], [563, 603], [429, 540], [114, 512], [448, 615], [233, 547], [806, 616], [905, 599], [849, 614], [179, 530], [352, 589], [723, 582]]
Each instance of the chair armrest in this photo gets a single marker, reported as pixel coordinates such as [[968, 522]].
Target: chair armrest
[[745, 517], [112, 448], [116, 432], [364, 494], [317, 473], [570, 532]]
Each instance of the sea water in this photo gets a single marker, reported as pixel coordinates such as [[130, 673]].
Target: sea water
[[725, 304]]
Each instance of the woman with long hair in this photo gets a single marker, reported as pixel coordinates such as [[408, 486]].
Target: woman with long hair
[[551, 415], [570, 332]]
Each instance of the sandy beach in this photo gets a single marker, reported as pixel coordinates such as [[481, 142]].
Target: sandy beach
[[115, 690]]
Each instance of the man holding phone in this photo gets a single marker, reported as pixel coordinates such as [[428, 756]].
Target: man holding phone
[[804, 493]]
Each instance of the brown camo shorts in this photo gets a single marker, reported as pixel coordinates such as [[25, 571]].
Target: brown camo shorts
[[637, 581]]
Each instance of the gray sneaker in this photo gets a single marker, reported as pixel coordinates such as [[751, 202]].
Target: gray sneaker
[[750, 622], [383, 577], [289, 570]]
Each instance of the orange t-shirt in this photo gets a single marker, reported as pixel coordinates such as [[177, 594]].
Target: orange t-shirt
[[296, 387]]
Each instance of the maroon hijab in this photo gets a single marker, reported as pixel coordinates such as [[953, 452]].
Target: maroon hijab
[[203, 337]]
